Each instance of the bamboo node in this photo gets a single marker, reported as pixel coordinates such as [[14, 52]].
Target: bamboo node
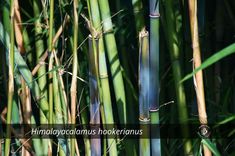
[[103, 76], [144, 119], [154, 109], [204, 131], [41, 62], [157, 15]]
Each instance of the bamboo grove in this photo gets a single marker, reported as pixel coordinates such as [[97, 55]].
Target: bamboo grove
[[162, 66]]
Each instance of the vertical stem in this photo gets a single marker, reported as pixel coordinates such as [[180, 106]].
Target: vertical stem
[[198, 77], [94, 95], [154, 73], [113, 59], [103, 74], [51, 89], [174, 47], [73, 89], [39, 52], [10, 80], [51, 18], [138, 13], [144, 89], [51, 61]]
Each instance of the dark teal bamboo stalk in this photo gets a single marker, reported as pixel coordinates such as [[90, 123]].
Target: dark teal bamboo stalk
[[144, 85], [113, 58], [154, 16]]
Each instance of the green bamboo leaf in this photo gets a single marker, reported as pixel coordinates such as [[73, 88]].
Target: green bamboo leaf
[[228, 119], [211, 60], [211, 146]]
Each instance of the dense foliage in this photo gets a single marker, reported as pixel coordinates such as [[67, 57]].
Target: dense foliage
[[119, 63]]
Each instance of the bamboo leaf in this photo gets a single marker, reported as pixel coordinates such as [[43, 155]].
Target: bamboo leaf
[[211, 60], [211, 146]]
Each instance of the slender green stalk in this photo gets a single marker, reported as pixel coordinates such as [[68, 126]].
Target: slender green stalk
[[174, 48], [57, 100], [51, 19], [51, 88], [73, 89], [198, 77], [144, 88], [51, 60], [39, 51], [103, 74], [62, 112], [10, 80], [113, 59], [154, 73]]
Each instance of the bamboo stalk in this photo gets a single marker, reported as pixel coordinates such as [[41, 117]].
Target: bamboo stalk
[[73, 89], [39, 51], [51, 61], [154, 73], [45, 54], [138, 13], [51, 18], [103, 74], [174, 48], [144, 85], [94, 95], [64, 101], [113, 58], [198, 77], [57, 99], [10, 80], [50, 68]]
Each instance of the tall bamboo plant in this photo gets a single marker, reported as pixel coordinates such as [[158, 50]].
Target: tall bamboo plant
[[113, 58], [154, 72], [172, 36], [39, 45], [96, 28], [198, 77], [144, 85]]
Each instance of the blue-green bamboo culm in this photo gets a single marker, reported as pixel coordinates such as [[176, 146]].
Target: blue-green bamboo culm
[[154, 16], [144, 117]]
